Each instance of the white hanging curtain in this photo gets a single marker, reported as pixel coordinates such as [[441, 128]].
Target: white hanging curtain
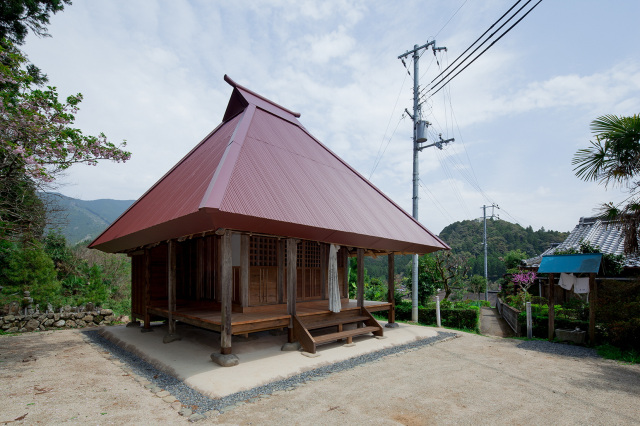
[[334, 288]]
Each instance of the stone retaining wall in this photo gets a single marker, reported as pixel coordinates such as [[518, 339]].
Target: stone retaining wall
[[51, 321]]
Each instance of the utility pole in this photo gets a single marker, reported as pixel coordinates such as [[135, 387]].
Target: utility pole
[[486, 274], [419, 137]]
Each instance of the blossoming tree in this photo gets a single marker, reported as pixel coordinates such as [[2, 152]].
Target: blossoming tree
[[37, 140]]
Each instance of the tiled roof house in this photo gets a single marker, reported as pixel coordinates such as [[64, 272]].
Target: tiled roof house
[[602, 233]]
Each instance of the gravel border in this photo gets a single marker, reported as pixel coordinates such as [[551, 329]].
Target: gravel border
[[561, 349], [202, 404]]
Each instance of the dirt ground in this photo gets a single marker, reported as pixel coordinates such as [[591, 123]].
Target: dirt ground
[[56, 377]]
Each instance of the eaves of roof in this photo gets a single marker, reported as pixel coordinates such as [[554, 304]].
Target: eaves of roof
[[261, 171]]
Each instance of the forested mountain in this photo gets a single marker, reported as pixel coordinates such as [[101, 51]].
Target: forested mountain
[[80, 220], [466, 237]]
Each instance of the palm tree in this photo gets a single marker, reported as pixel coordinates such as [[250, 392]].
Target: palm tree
[[614, 158]]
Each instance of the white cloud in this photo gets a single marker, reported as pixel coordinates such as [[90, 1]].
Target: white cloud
[[151, 73]]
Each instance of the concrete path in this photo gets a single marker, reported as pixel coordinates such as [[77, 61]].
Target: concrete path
[[491, 324], [261, 360]]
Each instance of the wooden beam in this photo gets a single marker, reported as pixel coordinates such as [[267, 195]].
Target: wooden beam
[[226, 292], [360, 283], [551, 309], [292, 275], [280, 279], [244, 269], [147, 288], [391, 284], [593, 297], [171, 287]]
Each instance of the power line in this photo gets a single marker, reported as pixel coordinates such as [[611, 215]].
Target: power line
[[473, 44], [378, 155], [375, 166], [452, 16], [481, 53], [433, 198]]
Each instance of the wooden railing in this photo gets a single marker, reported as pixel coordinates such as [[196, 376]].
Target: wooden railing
[[509, 314], [302, 335]]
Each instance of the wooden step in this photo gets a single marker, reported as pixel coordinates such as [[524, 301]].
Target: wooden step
[[325, 338], [302, 327], [314, 325]]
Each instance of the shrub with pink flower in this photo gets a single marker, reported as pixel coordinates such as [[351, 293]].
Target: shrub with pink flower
[[524, 280]]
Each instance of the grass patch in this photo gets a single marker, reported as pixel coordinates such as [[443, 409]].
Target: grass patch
[[630, 356]]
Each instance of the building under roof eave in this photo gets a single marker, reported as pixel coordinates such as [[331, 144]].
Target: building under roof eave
[[261, 171]]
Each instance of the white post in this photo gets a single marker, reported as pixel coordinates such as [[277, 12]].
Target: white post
[[438, 311], [529, 323]]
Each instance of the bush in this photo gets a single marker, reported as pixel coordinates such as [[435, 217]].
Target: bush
[[55, 274], [461, 316], [27, 268], [618, 309], [540, 325]]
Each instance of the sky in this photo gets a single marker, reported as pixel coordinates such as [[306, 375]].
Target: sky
[[151, 73]]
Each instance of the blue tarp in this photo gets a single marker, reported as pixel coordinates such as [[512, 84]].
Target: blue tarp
[[571, 263]]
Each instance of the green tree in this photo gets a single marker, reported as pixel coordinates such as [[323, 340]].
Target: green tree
[[477, 284], [17, 17], [446, 269], [37, 143], [427, 278], [28, 268], [614, 159], [513, 259]]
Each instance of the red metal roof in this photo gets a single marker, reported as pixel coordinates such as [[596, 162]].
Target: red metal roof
[[261, 171]]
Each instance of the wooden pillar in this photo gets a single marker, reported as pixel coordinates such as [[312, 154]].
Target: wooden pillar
[[292, 275], [244, 269], [147, 288], [551, 309], [292, 280], [324, 266], [280, 282], [345, 256], [391, 284], [360, 294], [200, 268], [226, 292], [217, 283], [209, 268], [171, 287], [593, 297]]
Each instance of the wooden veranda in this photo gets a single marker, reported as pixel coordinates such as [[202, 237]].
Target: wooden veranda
[[209, 316]]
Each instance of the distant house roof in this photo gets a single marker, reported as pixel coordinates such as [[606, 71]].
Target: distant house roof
[[261, 171], [602, 233]]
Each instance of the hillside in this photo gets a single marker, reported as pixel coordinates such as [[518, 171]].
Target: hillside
[[466, 237], [80, 220]]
